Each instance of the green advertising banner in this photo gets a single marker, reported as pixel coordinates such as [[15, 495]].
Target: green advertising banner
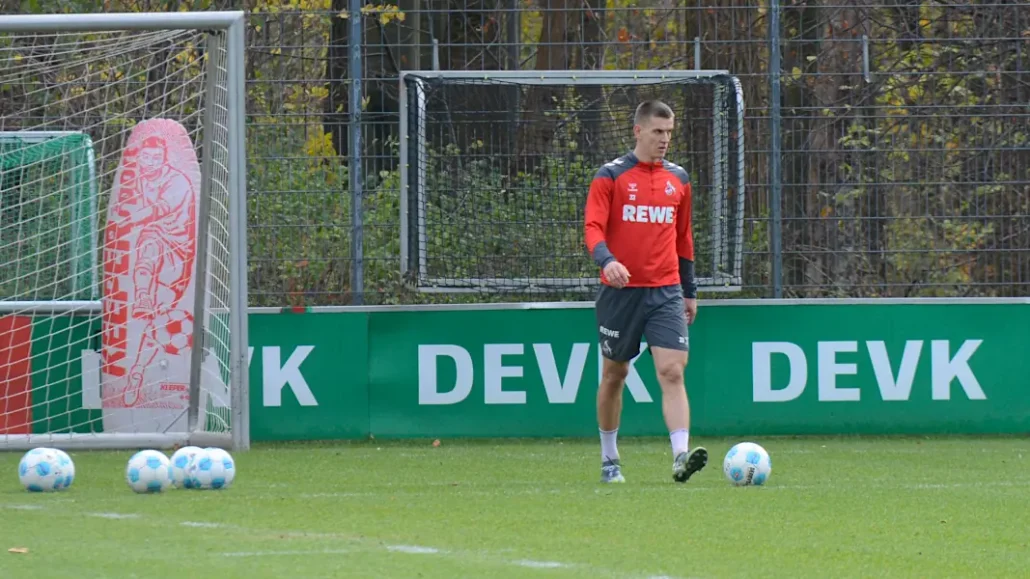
[[60, 345], [495, 373], [308, 376], [864, 369], [756, 368]]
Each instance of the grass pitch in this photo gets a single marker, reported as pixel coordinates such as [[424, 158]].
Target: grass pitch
[[834, 507]]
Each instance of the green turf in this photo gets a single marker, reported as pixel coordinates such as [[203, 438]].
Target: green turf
[[833, 508]]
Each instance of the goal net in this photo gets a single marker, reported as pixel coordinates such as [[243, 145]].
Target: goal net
[[496, 167], [122, 299]]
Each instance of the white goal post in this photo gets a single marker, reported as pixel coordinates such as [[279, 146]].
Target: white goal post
[[123, 277], [495, 167]]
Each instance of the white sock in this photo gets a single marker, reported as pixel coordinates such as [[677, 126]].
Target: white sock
[[680, 439], [608, 449]]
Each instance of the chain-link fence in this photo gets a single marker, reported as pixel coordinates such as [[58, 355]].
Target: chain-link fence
[[888, 157]]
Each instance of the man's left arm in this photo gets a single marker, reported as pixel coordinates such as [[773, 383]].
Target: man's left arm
[[685, 251]]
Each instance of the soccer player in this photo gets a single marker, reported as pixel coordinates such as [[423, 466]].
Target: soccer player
[[638, 231]]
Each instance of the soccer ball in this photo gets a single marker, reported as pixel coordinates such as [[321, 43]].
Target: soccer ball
[[45, 470], [173, 330], [67, 466], [747, 464], [181, 461], [213, 468], [149, 471]]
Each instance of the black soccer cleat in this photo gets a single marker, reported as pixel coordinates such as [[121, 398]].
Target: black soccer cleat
[[611, 472], [686, 464]]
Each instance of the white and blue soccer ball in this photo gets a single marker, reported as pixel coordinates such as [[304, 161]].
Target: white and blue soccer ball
[[67, 466], [46, 470], [747, 464], [213, 468], [149, 471], [181, 461]]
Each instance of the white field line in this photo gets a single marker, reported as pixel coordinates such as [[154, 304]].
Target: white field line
[[358, 544], [288, 553], [837, 449], [368, 545], [536, 489], [114, 515], [541, 564], [203, 525], [413, 549]]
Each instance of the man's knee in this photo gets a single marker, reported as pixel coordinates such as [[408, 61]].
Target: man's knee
[[613, 374], [670, 374], [669, 366]]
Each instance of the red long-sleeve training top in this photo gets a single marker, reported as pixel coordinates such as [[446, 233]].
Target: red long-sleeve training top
[[642, 212]]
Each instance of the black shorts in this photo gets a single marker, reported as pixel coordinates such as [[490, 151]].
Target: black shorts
[[626, 315]]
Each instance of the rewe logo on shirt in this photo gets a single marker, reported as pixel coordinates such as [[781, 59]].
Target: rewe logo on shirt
[[648, 214]]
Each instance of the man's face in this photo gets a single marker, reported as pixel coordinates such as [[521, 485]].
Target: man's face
[[653, 136], [151, 159]]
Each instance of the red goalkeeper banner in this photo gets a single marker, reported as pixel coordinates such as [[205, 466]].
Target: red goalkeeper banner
[[150, 243]]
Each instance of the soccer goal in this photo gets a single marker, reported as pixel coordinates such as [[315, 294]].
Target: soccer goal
[[122, 231], [496, 165]]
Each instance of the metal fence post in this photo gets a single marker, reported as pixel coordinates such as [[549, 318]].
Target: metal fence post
[[775, 157], [357, 205]]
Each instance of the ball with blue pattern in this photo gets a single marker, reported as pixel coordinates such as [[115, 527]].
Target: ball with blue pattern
[[67, 466], [149, 471], [747, 464], [181, 461], [43, 470], [212, 469]]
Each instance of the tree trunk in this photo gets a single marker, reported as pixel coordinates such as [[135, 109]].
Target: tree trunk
[[592, 58], [381, 60], [799, 175], [539, 119]]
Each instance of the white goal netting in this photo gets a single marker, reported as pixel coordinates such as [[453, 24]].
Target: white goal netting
[[497, 165], [115, 238]]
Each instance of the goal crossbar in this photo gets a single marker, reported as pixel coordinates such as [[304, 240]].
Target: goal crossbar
[[43, 23], [567, 77]]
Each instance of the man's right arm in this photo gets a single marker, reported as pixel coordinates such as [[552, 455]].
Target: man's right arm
[[599, 203]]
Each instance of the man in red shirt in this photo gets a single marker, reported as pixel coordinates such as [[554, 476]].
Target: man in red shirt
[[638, 231]]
